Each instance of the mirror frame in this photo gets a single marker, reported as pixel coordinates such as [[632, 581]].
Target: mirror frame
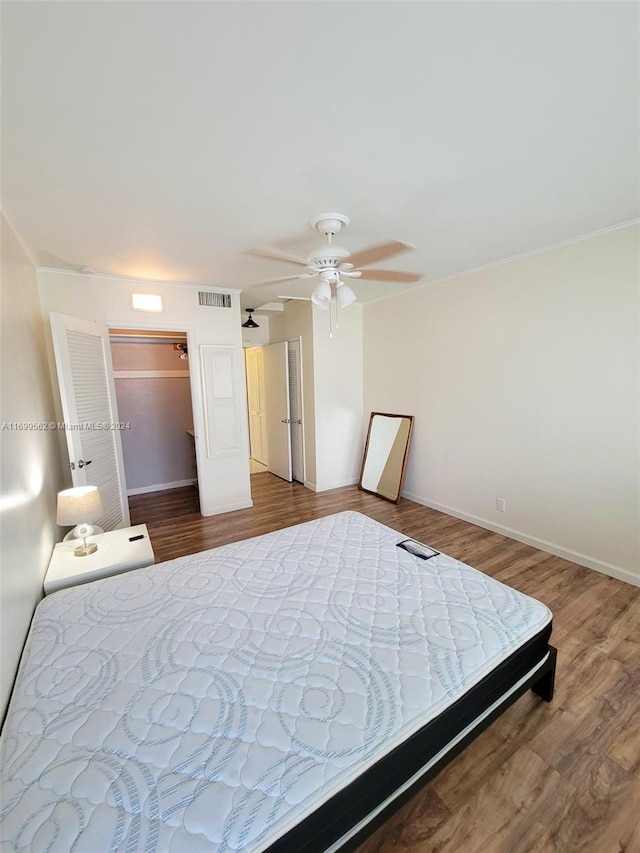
[[405, 454]]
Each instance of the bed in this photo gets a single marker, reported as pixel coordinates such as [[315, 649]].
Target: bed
[[282, 693]]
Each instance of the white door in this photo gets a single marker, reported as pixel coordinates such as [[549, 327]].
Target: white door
[[276, 380], [87, 392], [295, 408]]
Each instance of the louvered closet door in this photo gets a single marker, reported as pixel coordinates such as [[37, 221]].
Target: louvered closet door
[[255, 399], [87, 393], [261, 421]]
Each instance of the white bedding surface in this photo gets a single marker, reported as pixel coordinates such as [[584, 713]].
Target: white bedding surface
[[210, 703]]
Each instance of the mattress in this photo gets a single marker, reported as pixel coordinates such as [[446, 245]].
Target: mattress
[[218, 701]]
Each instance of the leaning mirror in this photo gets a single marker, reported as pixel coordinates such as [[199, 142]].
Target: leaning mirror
[[385, 455]]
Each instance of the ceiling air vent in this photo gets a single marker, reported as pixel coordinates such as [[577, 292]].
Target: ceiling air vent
[[214, 300]]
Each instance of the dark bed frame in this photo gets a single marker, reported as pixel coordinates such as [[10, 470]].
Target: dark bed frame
[[350, 806]]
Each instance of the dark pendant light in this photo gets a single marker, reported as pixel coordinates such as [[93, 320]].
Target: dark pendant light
[[251, 323]]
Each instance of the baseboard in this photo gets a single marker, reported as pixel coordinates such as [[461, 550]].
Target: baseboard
[[338, 485], [542, 545], [160, 487], [309, 485], [218, 510]]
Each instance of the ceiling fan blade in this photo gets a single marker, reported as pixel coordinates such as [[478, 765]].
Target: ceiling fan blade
[[378, 253], [278, 255], [281, 278], [390, 275]]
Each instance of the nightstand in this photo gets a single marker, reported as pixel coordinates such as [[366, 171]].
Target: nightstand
[[118, 551]]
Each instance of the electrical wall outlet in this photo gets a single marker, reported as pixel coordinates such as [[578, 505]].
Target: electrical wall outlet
[[501, 505]]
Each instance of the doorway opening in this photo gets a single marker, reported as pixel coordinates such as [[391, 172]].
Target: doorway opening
[[294, 353], [254, 369], [275, 409], [153, 391]]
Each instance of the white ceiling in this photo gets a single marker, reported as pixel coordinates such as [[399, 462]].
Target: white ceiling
[[163, 140]]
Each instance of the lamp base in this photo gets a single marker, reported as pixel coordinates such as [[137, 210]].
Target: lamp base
[[80, 531], [78, 537], [86, 549]]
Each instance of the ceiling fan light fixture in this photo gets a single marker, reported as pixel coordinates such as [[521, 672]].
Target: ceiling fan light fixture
[[250, 322], [329, 262], [344, 295], [321, 296]]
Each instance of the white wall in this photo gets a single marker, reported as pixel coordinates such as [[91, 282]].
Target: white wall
[[223, 481], [332, 390], [524, 382], [338, 397], [30, 462]]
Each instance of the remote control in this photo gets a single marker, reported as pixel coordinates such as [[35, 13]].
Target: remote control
[[418, 549]]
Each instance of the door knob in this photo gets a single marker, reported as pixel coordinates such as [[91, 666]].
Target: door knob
[[82, 463]]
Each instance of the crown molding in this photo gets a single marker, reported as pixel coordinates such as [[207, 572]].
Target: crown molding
[[541, 251], [144, 282]]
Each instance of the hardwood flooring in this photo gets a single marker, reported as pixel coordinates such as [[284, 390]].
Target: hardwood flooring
[[544, 778]]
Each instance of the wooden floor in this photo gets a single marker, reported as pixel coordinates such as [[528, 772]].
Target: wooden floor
[[563, 776]]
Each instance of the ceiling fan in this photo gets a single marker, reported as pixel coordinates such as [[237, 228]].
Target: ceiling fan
[[331, 263]]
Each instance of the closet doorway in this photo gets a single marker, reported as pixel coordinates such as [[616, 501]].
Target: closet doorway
[[274, 401], [153, 391]]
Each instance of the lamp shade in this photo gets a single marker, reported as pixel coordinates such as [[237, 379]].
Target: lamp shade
[[345, 296], [321, 296], [82, 503], [250, 323]]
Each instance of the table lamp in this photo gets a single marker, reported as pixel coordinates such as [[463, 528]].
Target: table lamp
[[80, 506]]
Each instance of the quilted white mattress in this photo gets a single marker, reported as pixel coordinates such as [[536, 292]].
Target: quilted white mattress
[[211, 702]]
